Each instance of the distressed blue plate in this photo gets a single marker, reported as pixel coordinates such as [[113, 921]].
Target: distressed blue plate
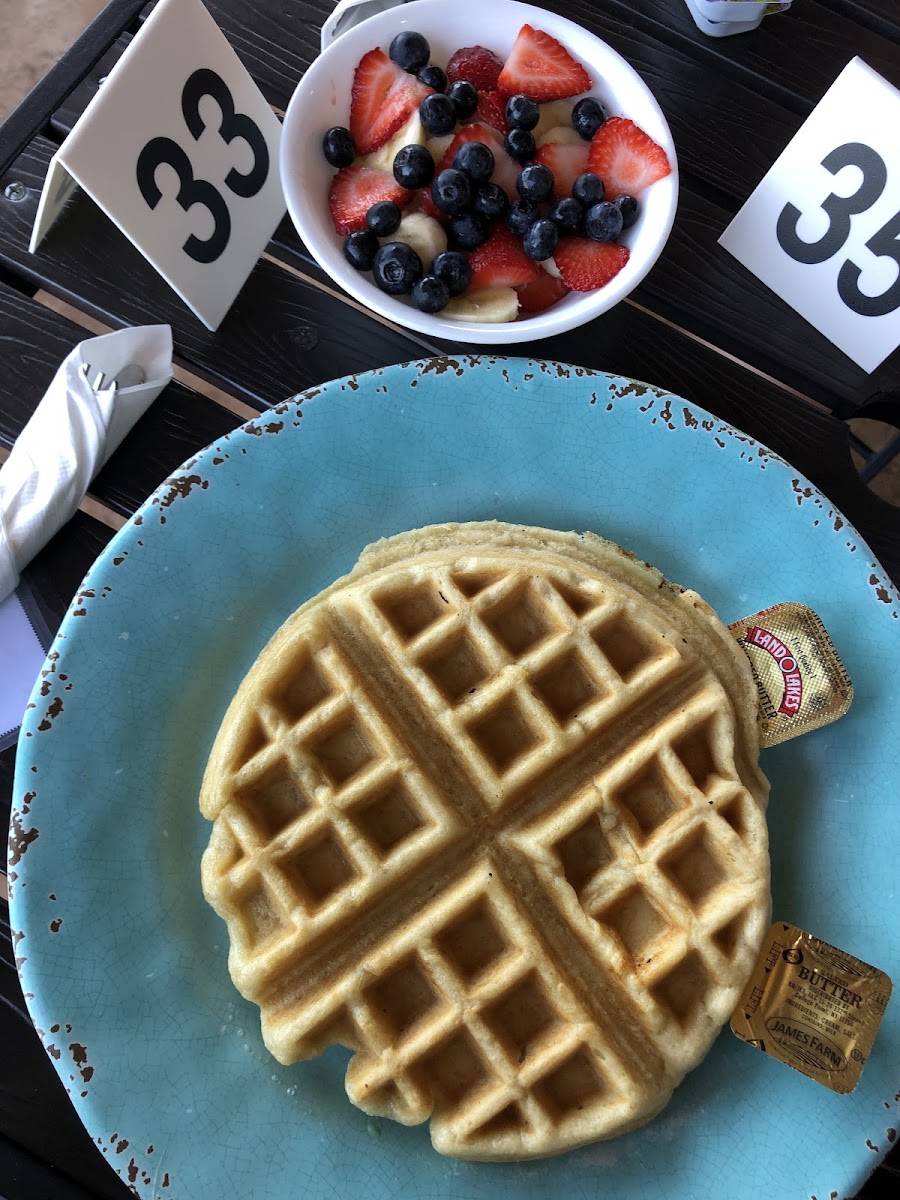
[[124, 963]]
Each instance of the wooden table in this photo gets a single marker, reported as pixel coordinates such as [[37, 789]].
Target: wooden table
[[700, 325]]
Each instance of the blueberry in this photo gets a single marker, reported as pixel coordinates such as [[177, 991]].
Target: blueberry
[[396, 267], [490, 200], [519, 145], [587, 117], [430, 294], [535, 183], [338, 147], [588, 189], [541, 239], [522, 214], [452, 191], [413, 167], [409, 50], [522, 112], [629, 208], [476, 160], [464, 97], [469, 231], [438, 114], [383, 218], [452, 268], [603, 222], [433, 77], [567, 215], [360, 249]]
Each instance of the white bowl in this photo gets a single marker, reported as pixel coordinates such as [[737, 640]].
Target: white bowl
[[322, 99]]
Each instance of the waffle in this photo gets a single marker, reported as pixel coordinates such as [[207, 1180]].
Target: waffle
[[487, 811]]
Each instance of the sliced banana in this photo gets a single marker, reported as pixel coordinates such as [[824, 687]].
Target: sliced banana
[[549, 265], [489, 307], [557, 112], [423, 233], [437, 146], [562, 135], [411, 134]]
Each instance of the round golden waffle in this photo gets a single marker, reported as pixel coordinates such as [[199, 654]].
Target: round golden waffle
[[488, 812]]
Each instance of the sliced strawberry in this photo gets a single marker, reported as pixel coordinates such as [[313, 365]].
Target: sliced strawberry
[[355, 189], [541, 68], [586, 265], [501, 262], [626, 158], [429, 207], [480, 66], [566, 163], [542, 294], [506, 172], [492, 111], [383, 98]]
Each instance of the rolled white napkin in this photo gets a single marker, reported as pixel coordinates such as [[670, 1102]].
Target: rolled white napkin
[[72, 433]]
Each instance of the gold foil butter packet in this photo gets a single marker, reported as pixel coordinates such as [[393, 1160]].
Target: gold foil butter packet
[[812, 1007], [801, 680]]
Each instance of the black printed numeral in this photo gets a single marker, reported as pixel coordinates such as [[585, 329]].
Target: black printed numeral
[[161, 151], [840, 210]]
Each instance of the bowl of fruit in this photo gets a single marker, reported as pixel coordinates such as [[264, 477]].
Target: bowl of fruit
[[481, 171]]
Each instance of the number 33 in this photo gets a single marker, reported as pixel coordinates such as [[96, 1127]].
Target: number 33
[[840, 209], [191, 191]]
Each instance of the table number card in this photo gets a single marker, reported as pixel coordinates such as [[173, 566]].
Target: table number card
[[822, 229], [180, 150]]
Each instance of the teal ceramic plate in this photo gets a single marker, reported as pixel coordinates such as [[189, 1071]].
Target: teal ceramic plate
[[124, 963]]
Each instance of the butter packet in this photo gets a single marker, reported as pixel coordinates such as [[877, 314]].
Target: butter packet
[[812, 1006], [801, 680]]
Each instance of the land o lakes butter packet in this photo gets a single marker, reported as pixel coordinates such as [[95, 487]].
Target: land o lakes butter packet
[[801, 680], [813, 1007]]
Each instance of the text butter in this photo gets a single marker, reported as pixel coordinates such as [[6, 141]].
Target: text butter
[[812, 1007]]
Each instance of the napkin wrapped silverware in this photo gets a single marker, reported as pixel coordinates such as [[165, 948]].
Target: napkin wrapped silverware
[[73, 431]]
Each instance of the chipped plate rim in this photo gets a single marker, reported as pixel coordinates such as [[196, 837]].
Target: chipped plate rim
[[112, 936]]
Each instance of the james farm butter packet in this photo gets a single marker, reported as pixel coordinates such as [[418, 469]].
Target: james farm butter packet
[[812, 1006]]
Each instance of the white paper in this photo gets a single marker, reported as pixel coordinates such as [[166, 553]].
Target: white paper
[[179, 116], [860, 109], [21, 658]]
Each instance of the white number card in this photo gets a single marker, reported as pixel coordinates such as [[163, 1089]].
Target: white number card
[[822, 229], [180, 150]]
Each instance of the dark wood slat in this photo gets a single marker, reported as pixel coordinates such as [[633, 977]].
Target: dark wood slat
[[793, 57], [178, 424], [29, 1177], [45, 1151], [298, 332], [35, 1112], [32, 115], [55, 574], [881, 406], [698, 284], [53, 577], [278, 44], [881, 16], [708, 110], [7, 772], [884, 1184], [701, 287], [64, 118], [631, 343]]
